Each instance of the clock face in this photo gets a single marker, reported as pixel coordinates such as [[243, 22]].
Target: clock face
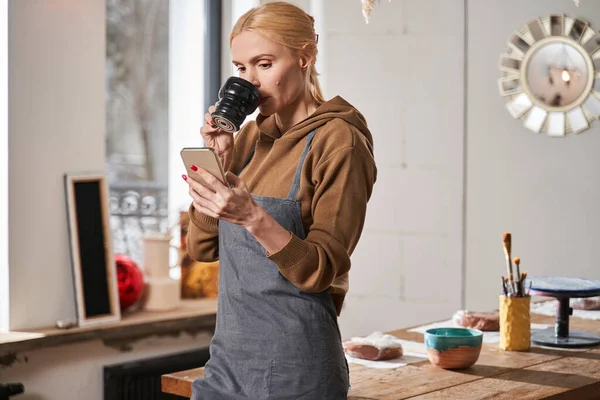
[[549, 75]]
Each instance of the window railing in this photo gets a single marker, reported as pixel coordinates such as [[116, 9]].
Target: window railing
[[136, 209]]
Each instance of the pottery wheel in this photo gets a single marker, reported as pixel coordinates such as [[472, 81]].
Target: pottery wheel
[[563, 289]]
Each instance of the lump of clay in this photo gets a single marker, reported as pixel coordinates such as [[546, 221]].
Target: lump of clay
[[588, 303], [377, 346], [484, 321]]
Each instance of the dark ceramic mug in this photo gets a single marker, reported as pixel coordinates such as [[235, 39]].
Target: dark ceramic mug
[[238, 98]]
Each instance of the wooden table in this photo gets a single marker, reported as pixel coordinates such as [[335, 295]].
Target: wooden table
[[541, 373]]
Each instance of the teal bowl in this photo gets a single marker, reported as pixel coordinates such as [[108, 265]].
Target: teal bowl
[[453, 348]]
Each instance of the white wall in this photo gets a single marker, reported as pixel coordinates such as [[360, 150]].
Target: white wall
[[544, 190], [404, 71], [56, 125]]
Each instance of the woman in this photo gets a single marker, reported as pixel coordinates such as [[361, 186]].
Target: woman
[[300, 176]]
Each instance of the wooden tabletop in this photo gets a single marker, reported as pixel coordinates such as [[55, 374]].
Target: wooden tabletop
[[540, 373]]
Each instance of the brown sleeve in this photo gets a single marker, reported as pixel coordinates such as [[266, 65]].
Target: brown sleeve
[[344, 183], [202, 237]]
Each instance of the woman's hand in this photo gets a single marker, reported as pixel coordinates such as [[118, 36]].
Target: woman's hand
[[212, 198], [237, 206], [218, 139]]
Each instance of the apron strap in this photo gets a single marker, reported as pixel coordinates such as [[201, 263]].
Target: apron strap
[[295, 188]]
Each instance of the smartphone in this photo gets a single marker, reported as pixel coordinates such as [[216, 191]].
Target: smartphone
[[205, 158]]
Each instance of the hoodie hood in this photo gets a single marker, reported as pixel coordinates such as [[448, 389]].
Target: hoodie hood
[[334, 108]]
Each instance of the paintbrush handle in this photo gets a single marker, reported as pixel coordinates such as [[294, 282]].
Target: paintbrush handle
[[508, 271], [509, 267], [519, 277]]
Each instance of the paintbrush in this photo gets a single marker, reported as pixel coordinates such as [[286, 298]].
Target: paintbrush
[[506, 240], [520, 290], [511, 285], [504, 286]]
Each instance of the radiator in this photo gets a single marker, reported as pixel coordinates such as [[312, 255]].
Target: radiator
[[140, 379]]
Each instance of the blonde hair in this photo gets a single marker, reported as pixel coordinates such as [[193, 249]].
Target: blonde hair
[[287, 25]]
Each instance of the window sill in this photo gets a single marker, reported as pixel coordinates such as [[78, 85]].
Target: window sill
[[193, 316]]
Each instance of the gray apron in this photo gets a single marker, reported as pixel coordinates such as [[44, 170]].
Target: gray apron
[[272, 341]]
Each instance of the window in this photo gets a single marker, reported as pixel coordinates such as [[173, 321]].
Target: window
[[137, 60], [155, 86]]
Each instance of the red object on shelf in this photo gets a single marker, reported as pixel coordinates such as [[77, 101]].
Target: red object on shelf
[[130, 281]]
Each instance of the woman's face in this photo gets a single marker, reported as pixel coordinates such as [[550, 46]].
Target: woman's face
[[272, 68]]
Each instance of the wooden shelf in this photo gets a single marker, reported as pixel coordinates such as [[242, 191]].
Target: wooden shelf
[[192, 316]]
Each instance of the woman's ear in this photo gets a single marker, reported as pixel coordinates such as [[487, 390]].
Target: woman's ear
[[304, 60]]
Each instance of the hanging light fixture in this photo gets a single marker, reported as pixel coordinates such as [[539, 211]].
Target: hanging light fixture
[[367, 7]]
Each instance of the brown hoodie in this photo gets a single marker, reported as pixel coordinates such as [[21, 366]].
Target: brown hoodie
[[336, 183]]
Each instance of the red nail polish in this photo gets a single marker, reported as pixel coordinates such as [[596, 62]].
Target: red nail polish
[[184, 177], [211, 122], [194, 168]]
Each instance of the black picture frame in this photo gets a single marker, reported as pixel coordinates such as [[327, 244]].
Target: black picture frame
[[92, 261]]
